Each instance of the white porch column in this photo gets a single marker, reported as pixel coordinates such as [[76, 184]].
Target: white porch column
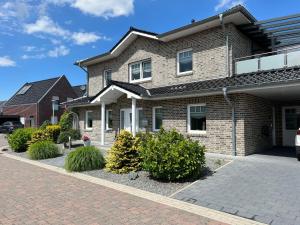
[[133, 110], [102, 123]]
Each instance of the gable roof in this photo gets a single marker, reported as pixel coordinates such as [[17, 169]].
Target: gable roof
[[36, 91], [238, 15], [80, 90]]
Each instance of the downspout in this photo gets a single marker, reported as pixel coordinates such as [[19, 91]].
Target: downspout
[[227, 99], [87, 78]]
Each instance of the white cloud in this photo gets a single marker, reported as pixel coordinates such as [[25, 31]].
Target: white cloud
[[5, 61], [81, 38], [59, 51], [225, 4], [45, 25], [105, 8]]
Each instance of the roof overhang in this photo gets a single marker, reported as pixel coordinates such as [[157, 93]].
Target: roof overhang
[[237, 18], [130, 37], [112, 93]]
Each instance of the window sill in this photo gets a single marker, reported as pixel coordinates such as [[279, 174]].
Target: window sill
[[197, 134], [187, 73], [141, 80], [88, 130]]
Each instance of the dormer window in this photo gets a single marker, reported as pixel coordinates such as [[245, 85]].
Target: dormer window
[[185, 62], [107, 77], [24, 90], [140, 71]]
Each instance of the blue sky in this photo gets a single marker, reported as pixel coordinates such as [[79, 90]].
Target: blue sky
[[42, 39]]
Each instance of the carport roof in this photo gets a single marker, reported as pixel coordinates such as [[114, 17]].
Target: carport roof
[[207, 87]]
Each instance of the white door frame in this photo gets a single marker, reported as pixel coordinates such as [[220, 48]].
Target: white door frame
[[137, 116], [283, 124]]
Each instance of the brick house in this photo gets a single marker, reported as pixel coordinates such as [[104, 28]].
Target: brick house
[[220, 80], [34, 101]]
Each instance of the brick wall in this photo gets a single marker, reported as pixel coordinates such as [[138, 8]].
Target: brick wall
[[63, 90], [253, 121]]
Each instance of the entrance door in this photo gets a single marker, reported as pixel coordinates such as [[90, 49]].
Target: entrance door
[[126, 119], [290, 124]]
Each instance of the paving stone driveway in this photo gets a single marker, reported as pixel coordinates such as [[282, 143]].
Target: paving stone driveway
[[263, 188], [32, 195]]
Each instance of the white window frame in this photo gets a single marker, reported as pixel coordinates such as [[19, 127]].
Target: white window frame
[[154, 117], [86, 120], [178, 65], [104, 77], [189, 120], [106, 120], [141, 71]]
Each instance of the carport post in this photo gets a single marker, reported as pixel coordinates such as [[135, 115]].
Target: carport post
[[133, 108], [102, 122]]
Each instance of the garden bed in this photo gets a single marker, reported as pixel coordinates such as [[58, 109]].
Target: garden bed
[[143, 181]]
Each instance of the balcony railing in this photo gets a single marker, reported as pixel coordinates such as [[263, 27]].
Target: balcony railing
[[268, 61]]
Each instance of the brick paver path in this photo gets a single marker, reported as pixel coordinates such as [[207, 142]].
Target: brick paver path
[[33, 195], [260, 187]]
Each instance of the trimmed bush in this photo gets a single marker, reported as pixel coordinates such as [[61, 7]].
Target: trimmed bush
[[18, 140], [39, 135], [53, 131], [45, 124], [43, 150], [84, 158], [167, 155], [64, 136], [66, 121], [124, 156]]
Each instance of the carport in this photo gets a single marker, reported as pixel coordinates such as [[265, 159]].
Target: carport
[[4, 118]]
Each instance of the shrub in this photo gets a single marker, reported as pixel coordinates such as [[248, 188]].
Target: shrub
[[84, 158], [169, 156], [64, 136], [53, 131], [124, 156], [39, 135], [18, 140], [66, 121], [43, 150], [45, 124]]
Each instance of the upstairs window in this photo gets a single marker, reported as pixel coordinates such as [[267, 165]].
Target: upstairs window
[[107, 77], [140, 71], [185, 62]]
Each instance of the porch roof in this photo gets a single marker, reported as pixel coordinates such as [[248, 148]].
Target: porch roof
[[237, 83]]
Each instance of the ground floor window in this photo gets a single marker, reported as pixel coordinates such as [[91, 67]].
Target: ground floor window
[[157, 118], [31, 121], [89, 120], [109, 120], [197, 118]]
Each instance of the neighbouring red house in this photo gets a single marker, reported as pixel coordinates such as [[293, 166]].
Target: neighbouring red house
[[38, 101]]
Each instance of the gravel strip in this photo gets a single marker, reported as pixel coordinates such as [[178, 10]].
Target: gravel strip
[[139, 180]]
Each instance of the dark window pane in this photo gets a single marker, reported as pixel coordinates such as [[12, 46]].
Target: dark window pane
[[135, 71], [185, 61], [158, 118], [147, 69], [291, 119], [198, 118]]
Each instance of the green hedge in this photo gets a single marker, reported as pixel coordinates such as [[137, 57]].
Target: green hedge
[[84, 158], [167, 155], [124, 156], [19, 139], [43, 150], [66, 121]]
